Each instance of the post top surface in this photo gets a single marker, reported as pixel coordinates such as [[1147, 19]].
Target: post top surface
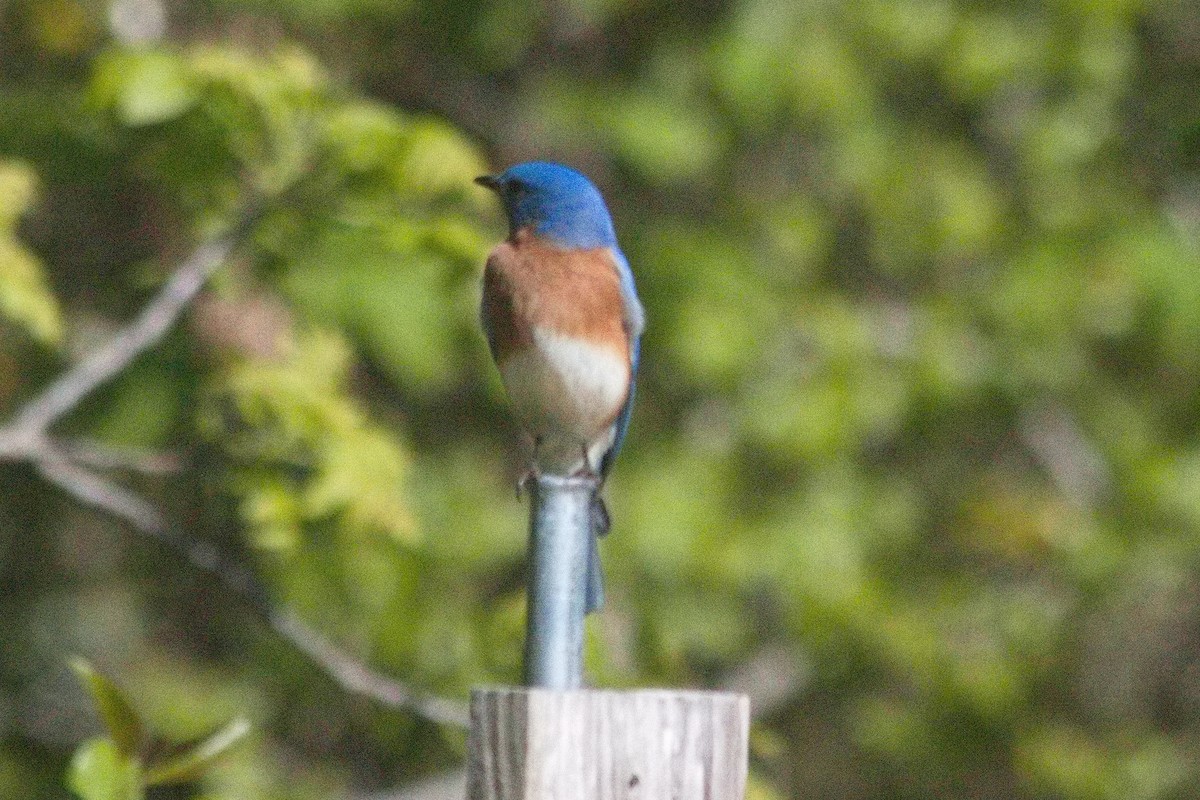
[[693, 695]]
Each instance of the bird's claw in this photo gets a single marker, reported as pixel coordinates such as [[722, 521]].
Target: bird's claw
[[586, 470], [525, 478]]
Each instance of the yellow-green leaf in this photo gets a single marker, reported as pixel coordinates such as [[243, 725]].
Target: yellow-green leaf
[[99, 771], [198, 756], [122, 721], [25, 298]]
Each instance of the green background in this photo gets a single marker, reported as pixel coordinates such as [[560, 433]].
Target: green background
[[916, 455]]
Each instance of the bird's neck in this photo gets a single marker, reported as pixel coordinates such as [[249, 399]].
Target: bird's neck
[[565, 237]]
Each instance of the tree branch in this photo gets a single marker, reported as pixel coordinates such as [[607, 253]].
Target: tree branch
[[449, 786], [69, 467], [64, 394], [1075, 466], [355, 676], [347, 671], [102, 456]]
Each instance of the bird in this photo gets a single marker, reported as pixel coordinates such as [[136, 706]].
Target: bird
[[563, 322]]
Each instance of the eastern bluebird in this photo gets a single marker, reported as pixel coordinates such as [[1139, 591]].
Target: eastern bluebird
[[564, 325]]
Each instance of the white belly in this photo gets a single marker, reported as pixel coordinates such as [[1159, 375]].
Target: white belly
[[567, 392]]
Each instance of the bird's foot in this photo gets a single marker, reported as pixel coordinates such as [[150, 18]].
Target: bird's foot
[[585, 470], [526, 477]]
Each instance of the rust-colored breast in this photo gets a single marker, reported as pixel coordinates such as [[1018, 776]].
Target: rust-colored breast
[[505, 331], [528, 283]]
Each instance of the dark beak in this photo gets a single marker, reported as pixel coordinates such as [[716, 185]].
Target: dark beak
[[489, 181]]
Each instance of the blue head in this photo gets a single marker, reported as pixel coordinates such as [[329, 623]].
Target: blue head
[[560, 204]]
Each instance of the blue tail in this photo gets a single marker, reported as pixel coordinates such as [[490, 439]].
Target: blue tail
[[601, 522]]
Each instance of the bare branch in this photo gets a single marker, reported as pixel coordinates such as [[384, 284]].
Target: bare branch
[[771, 678], [17, 445], [346, 670], [354, 676], [98, 492], [1073, 463], [95, 491], [451, 786], [24, 437], [70, 467], [100, 366], [103, 456]]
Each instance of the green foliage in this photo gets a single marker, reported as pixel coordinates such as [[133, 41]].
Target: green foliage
[[917, 406], [99, 771], [127, 761], [124, 727], [307, 451], [247, 122], [191, 761], [24, 296]]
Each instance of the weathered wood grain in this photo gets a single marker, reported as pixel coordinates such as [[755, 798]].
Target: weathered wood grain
[[540, 744]]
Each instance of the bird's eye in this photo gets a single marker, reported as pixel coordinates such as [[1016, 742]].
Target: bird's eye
[[517, 185]]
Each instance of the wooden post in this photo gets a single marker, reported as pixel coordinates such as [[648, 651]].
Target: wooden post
[[542, 744], [553, 740]]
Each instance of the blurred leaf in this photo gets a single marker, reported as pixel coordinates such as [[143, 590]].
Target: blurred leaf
[[63, 26], [437, 159], [19, 185], [758, 788], [25, 297], [197, 757], [665, 140], [390, 290], [144, 88], [319, 457], [100, 772], [122, 722]]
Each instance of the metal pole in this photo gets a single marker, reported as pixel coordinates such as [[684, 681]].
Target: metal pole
[[560, 541]]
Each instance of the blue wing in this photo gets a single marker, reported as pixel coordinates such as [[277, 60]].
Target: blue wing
[[635, 323], [634, 319]]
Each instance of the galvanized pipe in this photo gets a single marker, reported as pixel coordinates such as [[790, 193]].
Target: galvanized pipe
[[561, 548]]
